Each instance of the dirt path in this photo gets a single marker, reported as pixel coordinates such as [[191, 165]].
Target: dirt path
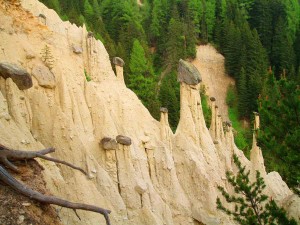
[[211, 66]]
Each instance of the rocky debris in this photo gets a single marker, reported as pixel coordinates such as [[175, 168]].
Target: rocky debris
[[163, 110], [109, 143], [77, 50], [123, 140], [21, 219], [118, 61], [44, 76], [188, 73], [19, 75]]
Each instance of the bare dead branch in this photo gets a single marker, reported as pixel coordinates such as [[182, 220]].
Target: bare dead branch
[[7, 154], [62, 162], [20, 188]]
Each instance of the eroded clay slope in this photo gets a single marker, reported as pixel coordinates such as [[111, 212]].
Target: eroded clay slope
[[161, 178]]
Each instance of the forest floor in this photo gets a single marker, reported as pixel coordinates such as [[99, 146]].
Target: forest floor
[[17, 209], [210, 63]]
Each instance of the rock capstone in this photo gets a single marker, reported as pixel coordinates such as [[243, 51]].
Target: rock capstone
[[90, 34], [118, 61], [213, 99], [163, 110], [19, 75], [123, 140], [44, 76], [109, 143], [188, 73]]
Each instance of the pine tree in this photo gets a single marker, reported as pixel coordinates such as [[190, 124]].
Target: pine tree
[[88, 9], [195, 12], [175, 46], [158, 17], [138, 61], [232, 49], [243, 102], [283, 56], [251, 206], [169, 98], [141, 79]]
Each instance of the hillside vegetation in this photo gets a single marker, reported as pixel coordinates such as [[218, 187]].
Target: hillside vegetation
[[260, 40]]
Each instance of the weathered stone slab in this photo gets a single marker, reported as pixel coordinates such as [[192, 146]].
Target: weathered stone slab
[[19, 75], [188, 73], [44, 76]]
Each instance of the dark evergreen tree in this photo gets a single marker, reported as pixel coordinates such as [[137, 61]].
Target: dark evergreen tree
[[243, 100], [169, 98], [280, 128], [283, 56], [141, 79], [175, 46]]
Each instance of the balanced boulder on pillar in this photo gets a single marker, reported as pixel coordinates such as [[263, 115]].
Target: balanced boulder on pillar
[[119, 63], [188, 73]]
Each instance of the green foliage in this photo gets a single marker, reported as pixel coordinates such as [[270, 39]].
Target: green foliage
[[242, 134], [141, 79], [176, 43], [251, 206], [87, 76], [280, 128], [47, 57], [231, 97], [169, 97], [205, 106]]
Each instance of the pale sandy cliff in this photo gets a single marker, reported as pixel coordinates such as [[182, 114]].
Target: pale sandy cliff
[[161, 178]]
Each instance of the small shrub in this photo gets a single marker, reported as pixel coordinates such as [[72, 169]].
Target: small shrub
[[87, 76]]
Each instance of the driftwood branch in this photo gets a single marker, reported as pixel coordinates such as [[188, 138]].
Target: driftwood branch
[[17, 186], [7, 155]]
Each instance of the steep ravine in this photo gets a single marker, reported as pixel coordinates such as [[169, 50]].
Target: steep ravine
[[210, 63], [161, 178]]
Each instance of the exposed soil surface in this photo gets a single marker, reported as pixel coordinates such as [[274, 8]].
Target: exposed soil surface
[[17, 209], [211, 66]]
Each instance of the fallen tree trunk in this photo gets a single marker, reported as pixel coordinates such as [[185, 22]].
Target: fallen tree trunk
[[20, 188]]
